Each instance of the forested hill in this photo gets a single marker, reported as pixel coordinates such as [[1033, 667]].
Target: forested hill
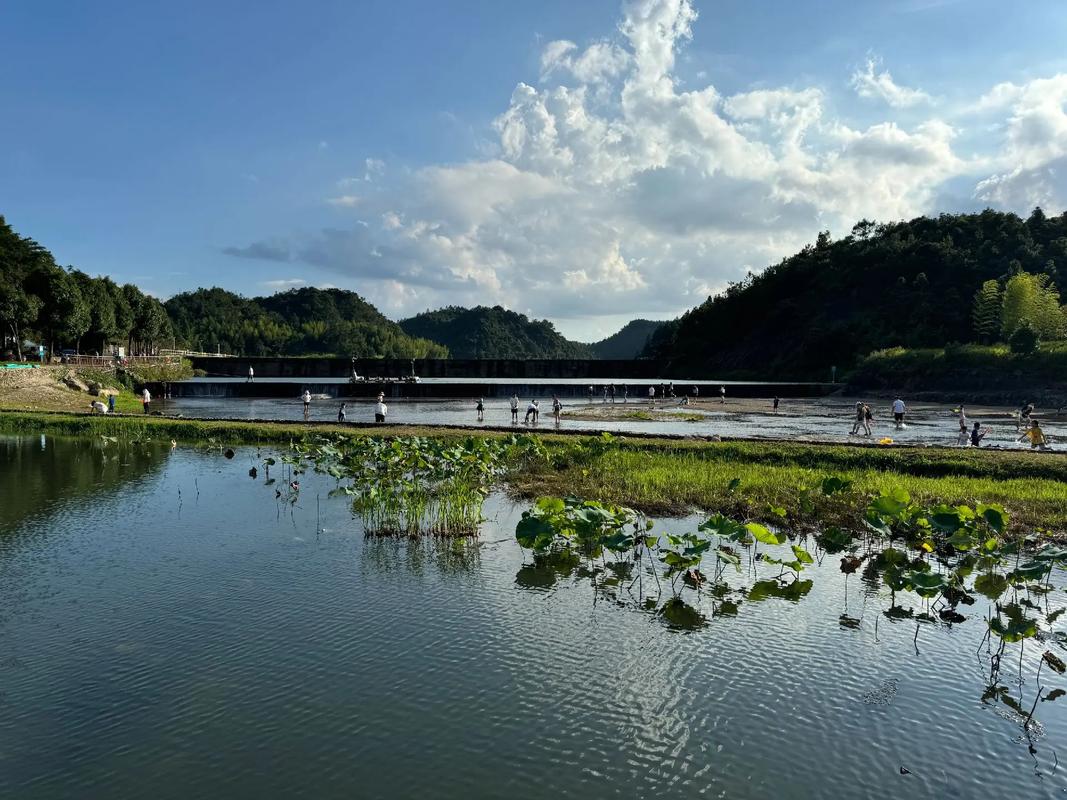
[[484, 332], [628, 342], [298, 322], [909, 284]]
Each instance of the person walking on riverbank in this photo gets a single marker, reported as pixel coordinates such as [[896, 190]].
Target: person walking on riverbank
[[111, 403], [776, 404], [515, 408], [696, 392], [480, 408], [305, 398], [625, 393], [652, 396], [1036, 436], [862, 412], [592, 391], [899, 409], [722, 395], [251, 375], [380, 410], [611, 392], [605, 394], [557, 408], [146, 399], [342, 413]]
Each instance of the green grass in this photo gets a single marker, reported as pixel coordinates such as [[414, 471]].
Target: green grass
[[673, 481], [673, 476]]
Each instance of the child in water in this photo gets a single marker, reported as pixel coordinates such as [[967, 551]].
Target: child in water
[[1036, 436], [977, 434], [342, 413], [480, 408]]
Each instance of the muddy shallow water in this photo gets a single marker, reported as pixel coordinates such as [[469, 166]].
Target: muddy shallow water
[[828, 420], [169, 627]]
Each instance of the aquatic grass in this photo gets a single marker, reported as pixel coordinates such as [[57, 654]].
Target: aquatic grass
[[675, 482]]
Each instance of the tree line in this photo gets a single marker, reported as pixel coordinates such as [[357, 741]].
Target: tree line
[[63, 307], [925, 282]]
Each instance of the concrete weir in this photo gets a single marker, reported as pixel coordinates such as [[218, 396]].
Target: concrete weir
[[460, 378]]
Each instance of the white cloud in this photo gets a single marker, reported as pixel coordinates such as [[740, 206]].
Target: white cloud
[[612, 190], [1032, 165], [880, 85], [344, 201], [283, 283]]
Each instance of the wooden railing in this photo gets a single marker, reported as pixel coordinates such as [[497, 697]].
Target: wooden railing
[[190, 353]]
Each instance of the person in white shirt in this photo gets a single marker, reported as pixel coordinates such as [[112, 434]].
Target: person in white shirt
[[515, 408], [306, 398], [652, 395], [380, 410], [146, 399], [251, 375], [531, 410], [97, 407], [899, 410]]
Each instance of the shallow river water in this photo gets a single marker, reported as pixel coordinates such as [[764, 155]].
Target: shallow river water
[[827, 419], [169, 628]]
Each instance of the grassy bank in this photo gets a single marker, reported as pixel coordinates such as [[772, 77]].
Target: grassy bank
[[972, 373], [761, 480]]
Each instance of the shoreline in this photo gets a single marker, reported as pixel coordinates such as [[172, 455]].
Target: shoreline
[[769, 481]]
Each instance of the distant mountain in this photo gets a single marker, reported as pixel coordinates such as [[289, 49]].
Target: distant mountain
[[628, 342], [298, 322], [484, 332], [902, 284]]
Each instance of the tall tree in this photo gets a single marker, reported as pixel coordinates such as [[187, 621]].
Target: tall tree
[[986, 312], [1030, 299]]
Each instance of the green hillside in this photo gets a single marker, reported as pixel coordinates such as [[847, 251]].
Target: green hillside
[[628, 342], [907, 284], [484, 332], [297, 322]]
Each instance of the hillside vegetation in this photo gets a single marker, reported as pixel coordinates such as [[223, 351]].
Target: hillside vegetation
[[493, 332], [628, 342], [298, 322], [916, 284]]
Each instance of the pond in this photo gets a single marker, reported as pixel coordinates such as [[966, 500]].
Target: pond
[[172, 625]]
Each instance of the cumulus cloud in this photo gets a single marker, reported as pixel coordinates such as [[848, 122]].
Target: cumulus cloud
[[613, 190], [880, 85]]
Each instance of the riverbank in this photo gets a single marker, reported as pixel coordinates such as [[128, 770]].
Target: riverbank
[[770, 481], [968, 373], [54, 387]]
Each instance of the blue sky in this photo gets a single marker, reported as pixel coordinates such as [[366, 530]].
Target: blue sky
[[585, 162]]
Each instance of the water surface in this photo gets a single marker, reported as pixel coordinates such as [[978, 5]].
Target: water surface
[[171, 628]]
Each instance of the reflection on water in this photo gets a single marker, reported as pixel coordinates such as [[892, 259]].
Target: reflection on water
[[230, 644]]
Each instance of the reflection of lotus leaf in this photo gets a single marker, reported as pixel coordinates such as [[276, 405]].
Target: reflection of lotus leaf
[[791, 590], [679, 614]]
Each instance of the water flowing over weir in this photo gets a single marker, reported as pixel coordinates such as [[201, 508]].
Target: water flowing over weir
[[447, 388], [445, 378]]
